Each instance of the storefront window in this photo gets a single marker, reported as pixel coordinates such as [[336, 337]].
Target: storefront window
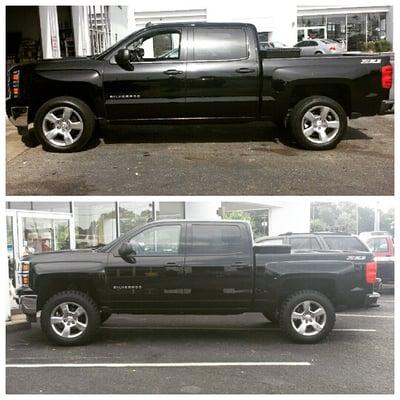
[[52, 206], [171, 210], [44, 234], [356, 31], [95, 224], [132, 214], [376, 26], [336, 27], [311, 20]]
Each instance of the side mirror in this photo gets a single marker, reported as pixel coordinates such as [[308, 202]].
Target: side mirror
[[127, 252], [123, 59]]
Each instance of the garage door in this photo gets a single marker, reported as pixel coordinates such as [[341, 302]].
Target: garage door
[[155, 17]]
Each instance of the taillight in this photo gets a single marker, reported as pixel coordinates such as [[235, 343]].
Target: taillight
[[387, 76], [370, 272], [14, 84], [332, 48]]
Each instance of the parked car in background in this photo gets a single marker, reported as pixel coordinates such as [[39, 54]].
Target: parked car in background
[[320, 46], [272, 45], [382, 246]]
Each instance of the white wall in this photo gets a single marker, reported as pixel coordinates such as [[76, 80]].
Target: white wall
[[206, 210], [121, 22], [290, 217]]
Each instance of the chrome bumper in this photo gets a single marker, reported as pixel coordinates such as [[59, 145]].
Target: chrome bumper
[[387, 107], [28, 304], [371, 298], [19, 116]]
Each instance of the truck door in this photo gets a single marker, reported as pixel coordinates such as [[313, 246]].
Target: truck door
[[222, 73], [156, 86], [218, 267], [153, 279]]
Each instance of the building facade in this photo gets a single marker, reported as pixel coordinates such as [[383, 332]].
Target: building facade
[[64, 31]]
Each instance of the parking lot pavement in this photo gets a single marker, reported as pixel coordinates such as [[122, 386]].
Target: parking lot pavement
[[251, 159], [194, 354]]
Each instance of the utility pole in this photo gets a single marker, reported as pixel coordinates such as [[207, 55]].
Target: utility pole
[[377, 222]]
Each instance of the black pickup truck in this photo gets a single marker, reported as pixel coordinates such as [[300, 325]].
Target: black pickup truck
[[191, 267], [197, 72]]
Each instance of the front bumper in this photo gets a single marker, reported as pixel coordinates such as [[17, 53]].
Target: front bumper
[[19, 116], [28, 305], [371, 298], [387, 107]]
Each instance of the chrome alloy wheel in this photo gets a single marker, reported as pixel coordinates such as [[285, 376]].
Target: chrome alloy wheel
[[62, 126], [308, 318], [320, 124], [69, 320]]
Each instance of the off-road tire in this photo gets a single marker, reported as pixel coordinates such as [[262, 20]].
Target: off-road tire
[[289, 305], [79, 298]]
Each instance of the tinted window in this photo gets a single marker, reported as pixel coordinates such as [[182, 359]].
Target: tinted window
[[160, 240], [219, 44], [304, 243], [216, 239], [312, 43], [346, 243]]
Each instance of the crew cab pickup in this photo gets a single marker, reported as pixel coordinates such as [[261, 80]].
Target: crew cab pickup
[[197, 72], [191, 267]]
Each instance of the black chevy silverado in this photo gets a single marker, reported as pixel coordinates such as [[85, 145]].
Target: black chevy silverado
[[196, 72], [192, 267]]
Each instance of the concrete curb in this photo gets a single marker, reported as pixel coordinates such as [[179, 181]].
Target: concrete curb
[[19, 325]]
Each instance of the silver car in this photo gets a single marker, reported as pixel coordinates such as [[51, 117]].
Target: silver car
[[312, 47]]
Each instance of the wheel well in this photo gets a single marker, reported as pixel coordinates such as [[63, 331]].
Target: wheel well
[[49, 286], [338, 92], [324, 286]]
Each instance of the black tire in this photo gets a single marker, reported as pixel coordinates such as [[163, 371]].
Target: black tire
[[92, 317], [271, 315], [305, 105], [292, 302], [79, 107], [318, 53], [104, 315]]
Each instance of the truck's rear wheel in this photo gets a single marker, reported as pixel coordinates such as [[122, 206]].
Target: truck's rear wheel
[[70, 318], [307, 316], [318, 123], [64, 124]]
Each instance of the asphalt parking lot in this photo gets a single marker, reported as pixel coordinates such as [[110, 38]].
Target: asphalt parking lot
[[210, 354], [241, 159]]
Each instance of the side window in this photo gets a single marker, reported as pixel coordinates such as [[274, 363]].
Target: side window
[[158, 241], [216, 239], [160, 46], [312, 43], [378, 244], [304, 243], [219, 44]]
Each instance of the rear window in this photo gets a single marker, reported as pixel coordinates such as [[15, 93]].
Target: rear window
[[304, 243], [219, 44], [216, 239], [345, 243], [378, 244]]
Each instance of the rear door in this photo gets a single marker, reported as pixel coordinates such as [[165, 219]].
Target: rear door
[[223, 73], [218, 267]]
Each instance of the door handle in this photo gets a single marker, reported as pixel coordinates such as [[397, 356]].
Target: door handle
[[239, 264], [245, 70], [173, 72], [172, 264]]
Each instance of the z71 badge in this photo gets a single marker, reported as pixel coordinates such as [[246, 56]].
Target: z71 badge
[[356, 258], [371, 61]]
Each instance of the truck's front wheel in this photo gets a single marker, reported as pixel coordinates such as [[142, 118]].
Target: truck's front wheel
[[318, 123], [70, 318], [307, 316], [64, 124]]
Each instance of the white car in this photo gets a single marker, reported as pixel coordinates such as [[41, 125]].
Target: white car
[[312, 47]]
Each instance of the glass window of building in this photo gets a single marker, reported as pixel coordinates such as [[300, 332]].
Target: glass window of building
[[44, 234], [376, 26], [20, 205], [336, 27], [311, 20], [170, 210], [95, 224], [132, 214], [356, 31], [52, 206]]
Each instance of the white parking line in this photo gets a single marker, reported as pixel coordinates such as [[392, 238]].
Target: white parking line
[[202, 328], [365, 315], [159, 365]]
